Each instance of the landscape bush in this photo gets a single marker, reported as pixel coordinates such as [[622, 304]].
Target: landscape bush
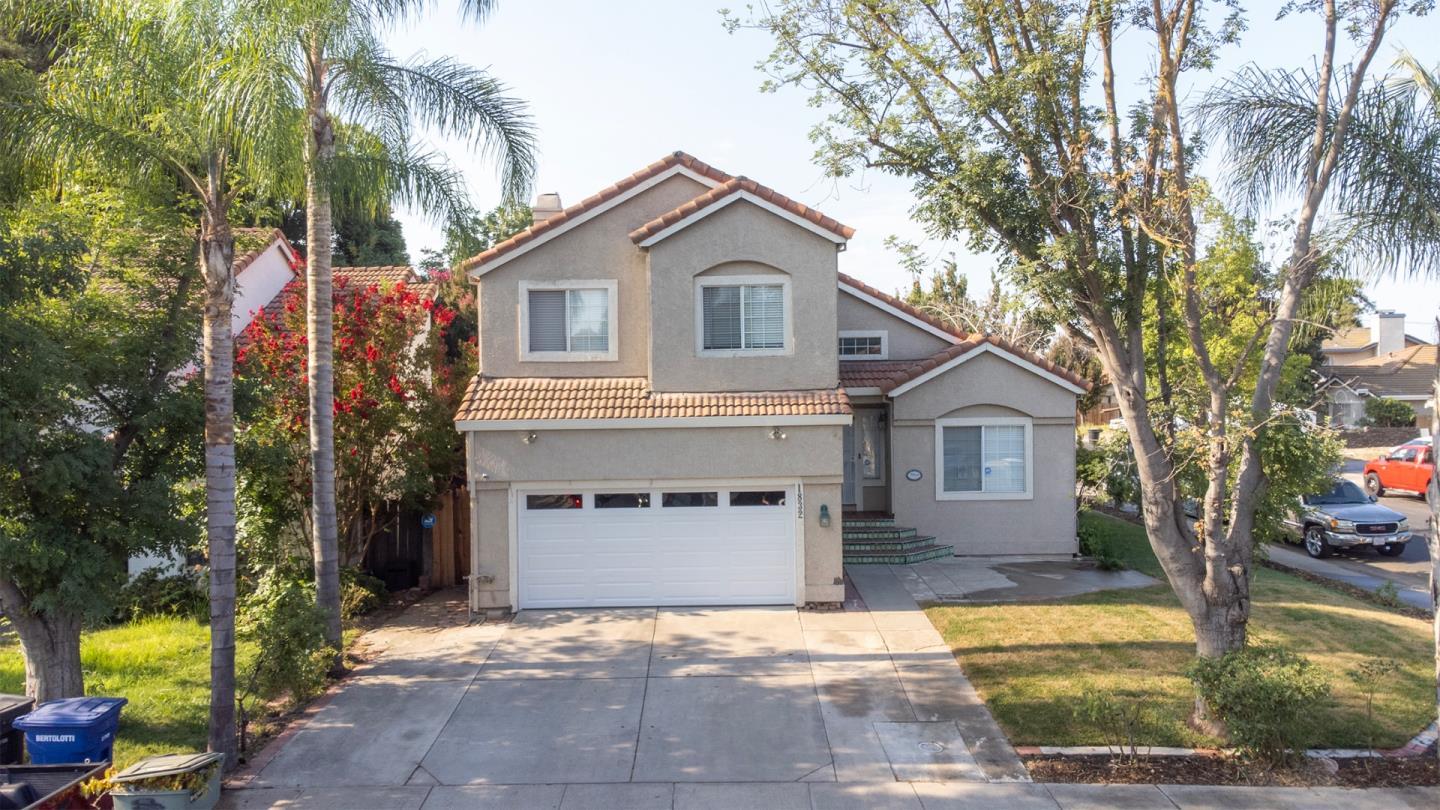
[[1267, 698], [154, 592], [1386, 412], [360, 593], [1098, 547]]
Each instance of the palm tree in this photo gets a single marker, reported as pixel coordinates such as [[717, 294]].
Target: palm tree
[[361, 108], [147, 86], [1388, 175]]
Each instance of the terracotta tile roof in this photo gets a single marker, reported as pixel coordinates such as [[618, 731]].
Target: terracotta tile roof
[[728, 189], [1408, 372], [968, 341], [356, 277], [527, 398], [604, 195], [872, 373], [380, 274]]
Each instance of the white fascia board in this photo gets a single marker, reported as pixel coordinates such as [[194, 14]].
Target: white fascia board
[[477, 272], [863, 391], [998, 352], [824, 233], [898, 313], [651, 424]]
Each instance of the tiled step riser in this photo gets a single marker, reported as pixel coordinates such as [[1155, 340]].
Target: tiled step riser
[[876, 523], [900, 559], [878, 534], [909, 544]]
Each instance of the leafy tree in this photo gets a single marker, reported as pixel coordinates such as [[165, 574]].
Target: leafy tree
[[393, 416], [179, 91], [475, 234], [361, 238], [1386, 412], [96, 439], [1007, 120], [360, 107]]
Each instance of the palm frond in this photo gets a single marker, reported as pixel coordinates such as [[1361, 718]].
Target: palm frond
[[373, 175]]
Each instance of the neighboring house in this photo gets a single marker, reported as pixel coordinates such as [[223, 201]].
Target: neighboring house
[[1386, 335], [1407, 375], [682, 401]]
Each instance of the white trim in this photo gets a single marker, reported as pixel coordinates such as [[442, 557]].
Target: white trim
[[883, 334], [579, 219], [653, 423], [899, 313], [863, 391], [764, 280], [790, 216], [941, 494], [611, 288], [998, 352]]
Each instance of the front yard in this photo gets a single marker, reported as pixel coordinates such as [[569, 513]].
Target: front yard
[[1034, 663], [161, 665]]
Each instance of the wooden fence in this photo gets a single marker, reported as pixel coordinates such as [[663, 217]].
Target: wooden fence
[[450, 539]]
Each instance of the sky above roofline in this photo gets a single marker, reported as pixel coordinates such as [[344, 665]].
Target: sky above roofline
[[614, 87]]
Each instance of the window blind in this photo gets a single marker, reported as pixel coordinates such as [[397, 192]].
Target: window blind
[[589, 328], [547, 321], [720, 311], [764, 317], [1004, 458]]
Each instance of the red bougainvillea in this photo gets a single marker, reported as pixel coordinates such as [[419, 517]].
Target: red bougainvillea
[[396, 392]]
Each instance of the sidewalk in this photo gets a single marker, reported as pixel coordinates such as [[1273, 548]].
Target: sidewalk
[[833, 796], [1412, 596]]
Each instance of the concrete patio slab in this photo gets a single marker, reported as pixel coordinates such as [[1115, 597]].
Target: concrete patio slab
[[733, 641], [860, 796], [331, 798], [927, 752], [1227, 797], [574, 644], [860, 689], [618, 797], [963, 580], [730, 729], [495, 797], [771, 796], [977, 795], [1113, 797], [540, 731], [378, 728]]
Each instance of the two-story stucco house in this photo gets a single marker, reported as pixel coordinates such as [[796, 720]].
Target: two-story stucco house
[[682, 401]]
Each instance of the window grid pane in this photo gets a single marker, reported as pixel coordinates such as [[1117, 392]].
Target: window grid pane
[[589, 320], [1004, 458], [764, 312], [962, 459], [547, 320], [720, 311], [860, 346]]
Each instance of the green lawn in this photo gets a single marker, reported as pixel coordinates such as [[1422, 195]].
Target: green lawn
[[1033, 662], [161, 665]]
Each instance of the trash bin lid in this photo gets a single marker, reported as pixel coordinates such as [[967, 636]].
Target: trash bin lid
[[12, 706], [166, 765], [80, 712]]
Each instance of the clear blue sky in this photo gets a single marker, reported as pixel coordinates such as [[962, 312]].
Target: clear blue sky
[[615, 86]]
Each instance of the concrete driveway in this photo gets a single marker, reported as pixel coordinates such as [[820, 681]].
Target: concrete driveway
[[646, 698]]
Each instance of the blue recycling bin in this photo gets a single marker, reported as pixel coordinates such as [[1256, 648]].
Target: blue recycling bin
[[72, 730]]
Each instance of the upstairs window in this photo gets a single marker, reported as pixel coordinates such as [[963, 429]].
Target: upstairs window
[[563, 322], [864, 345], [743, 318]]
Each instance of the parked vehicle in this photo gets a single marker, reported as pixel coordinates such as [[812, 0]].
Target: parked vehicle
[[1409, 467], [1346, 517]]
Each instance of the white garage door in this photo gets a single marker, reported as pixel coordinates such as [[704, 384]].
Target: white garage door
[[680, 545]]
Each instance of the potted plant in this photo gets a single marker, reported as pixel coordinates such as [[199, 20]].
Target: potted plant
[[168, 782]]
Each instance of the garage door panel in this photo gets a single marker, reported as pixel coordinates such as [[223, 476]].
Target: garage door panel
[[657, 555]]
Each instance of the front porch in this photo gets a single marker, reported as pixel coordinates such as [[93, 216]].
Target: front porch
[[872, 538]]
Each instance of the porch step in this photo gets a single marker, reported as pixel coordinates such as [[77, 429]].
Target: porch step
[[888, 544], [921, 554], [876, 533], [866, 520]]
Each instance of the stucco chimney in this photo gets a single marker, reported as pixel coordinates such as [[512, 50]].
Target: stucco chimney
[[546, 205], [1388, 331]]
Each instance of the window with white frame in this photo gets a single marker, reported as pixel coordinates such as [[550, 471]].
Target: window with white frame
[[981, 459], [864, 345], [568, 320], [743, 317]]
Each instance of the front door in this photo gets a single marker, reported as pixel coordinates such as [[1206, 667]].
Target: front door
[[865, 449]]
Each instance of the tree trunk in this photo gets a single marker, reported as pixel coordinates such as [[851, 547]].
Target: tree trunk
[[319, 312], [50, 645], [1433, 537], [217, 246]]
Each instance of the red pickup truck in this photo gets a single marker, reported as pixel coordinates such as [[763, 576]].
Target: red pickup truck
[[1408, 467]]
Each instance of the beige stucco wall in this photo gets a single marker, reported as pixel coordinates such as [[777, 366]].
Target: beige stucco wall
[[906, 341], [809, 455], [597, 249], [988, 386], [743, 239]]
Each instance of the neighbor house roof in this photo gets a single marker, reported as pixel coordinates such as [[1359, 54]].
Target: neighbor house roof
[[355, 278], [899, 372], [1408, 373], [551, 225], [1358, 338], [532, 399], [727, 192]]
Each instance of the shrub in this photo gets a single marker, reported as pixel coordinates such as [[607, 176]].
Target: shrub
[[281, 617], [1267, 698], [154, 592], [360, 593], [1122, 720], [1097, 547], [1386, 412]]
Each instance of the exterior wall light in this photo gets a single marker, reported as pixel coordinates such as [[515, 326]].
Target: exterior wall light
[[777, 434], [824, 515], [529, 437]]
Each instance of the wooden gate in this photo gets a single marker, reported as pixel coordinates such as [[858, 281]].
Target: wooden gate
[[450, 539]]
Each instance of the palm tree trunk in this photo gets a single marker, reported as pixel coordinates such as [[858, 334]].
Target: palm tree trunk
[[217, 246], [319, 311], [1433, 535]]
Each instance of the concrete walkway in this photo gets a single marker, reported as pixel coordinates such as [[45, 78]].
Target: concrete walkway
[[984, 580]]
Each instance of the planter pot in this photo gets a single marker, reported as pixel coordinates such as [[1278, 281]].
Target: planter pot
[[129, 795]]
